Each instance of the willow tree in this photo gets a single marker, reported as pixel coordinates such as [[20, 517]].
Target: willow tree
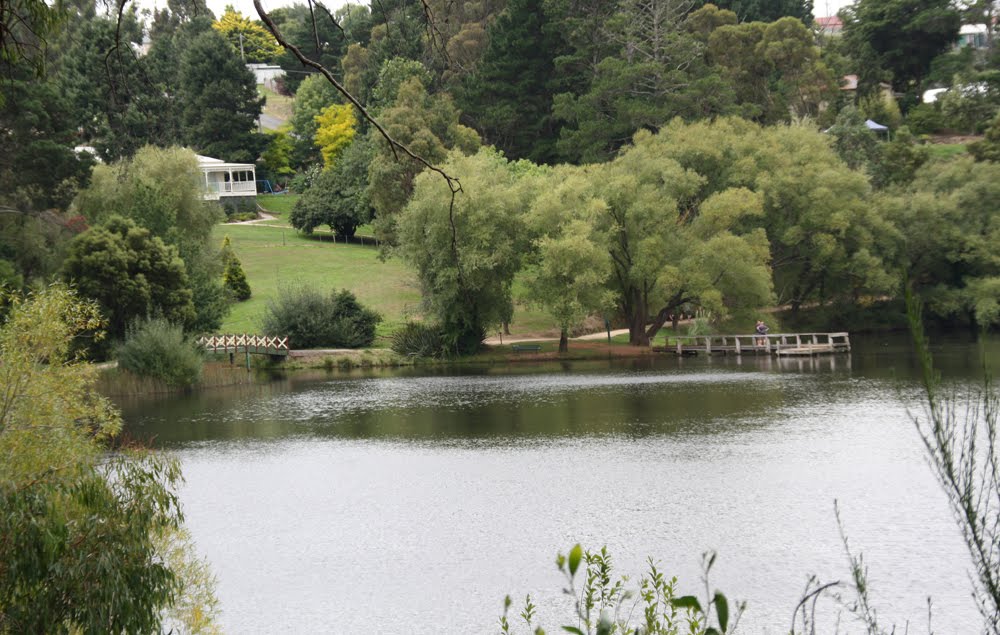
[[467, 249], [670, 245]]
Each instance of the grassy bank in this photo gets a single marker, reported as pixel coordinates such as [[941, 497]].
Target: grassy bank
[[274, 258]]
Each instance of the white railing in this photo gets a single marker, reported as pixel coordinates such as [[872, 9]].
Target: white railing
[[227, 187]]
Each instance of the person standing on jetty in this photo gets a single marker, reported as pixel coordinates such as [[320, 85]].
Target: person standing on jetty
[[762, 333]]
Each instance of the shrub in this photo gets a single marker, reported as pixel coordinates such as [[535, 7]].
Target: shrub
[[925, 119], [235, 280], [311, 320], [159, 349], [418, 340]]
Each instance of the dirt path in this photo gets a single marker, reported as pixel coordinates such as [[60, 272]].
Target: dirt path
[[515, 339], [263, 217]]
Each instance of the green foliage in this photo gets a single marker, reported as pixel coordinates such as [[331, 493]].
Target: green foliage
[[949, 230], [277, 157], [37, 163], [767, 10], [898, 36], [130, 274], [416, 339], [509, 95], [314, 95], [233, 277], [901, 158], [466, 250], [989, 148], [312, 320], [219, 101], [925, 119], [967, 108], [775, 69], [429, 126], [605, 604], [655, 72], [338, 197], [855, 144], [154, 347], [77, 523], [160, 190]]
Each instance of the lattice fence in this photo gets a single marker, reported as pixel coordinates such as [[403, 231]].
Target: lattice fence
[[244, 342]]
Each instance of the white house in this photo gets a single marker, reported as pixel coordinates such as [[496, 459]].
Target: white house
[[234, 185], [266, 74]]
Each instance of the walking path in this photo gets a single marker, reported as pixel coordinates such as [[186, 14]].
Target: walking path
[[514, 339]]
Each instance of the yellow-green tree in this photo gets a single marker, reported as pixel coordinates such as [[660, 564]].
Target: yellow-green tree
[[249, 37], [88, 538], [335, 129]]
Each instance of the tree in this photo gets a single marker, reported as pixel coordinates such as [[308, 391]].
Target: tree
[[656, 73], [248, 37], [767, 10], [899, 36], [219, 102], [130, 274], [314, 95], [338, 197], [160, 189], [509, 97], [78, 524], [277, 157], [466, 252], [988, 149], [335, 128], [674, 237], [233, 277], [775, 69], [429, 126], [570, 276], [949, 229]]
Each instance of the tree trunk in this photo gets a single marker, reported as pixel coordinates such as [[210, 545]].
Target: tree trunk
[[658, 322], [506, 328], [637, 321], [563, 341]]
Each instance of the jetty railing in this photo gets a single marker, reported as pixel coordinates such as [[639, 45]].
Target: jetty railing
[[753, 343]]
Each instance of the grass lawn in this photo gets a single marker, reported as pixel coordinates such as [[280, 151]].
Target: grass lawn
[[275, 258], [946, 150]]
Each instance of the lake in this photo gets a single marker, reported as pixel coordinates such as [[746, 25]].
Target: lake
[[414, 500]]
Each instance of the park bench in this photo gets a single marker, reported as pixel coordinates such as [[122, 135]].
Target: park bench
[[525, 347]]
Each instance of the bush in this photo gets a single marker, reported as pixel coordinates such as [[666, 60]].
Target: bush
[[311, 320], [925, 119], [159, 349], [235, 280], [418, 340]]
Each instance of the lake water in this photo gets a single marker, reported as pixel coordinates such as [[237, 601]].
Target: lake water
[[413, 501]]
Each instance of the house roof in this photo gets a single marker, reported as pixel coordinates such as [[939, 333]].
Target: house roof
[[210, 163], [829, 22]]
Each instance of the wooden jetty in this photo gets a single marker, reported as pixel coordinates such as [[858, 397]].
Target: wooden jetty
[[781, 344]]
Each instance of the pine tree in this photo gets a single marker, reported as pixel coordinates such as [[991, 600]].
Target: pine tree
[[233, 277], [509, 97]]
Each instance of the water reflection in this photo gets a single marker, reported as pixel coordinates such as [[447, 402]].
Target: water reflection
[[318, 495]]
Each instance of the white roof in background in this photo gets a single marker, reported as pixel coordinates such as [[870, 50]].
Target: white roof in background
[[931, 96], [972, 29]]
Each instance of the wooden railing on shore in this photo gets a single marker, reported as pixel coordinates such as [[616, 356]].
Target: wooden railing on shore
[[754, 344], [246, 343]]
